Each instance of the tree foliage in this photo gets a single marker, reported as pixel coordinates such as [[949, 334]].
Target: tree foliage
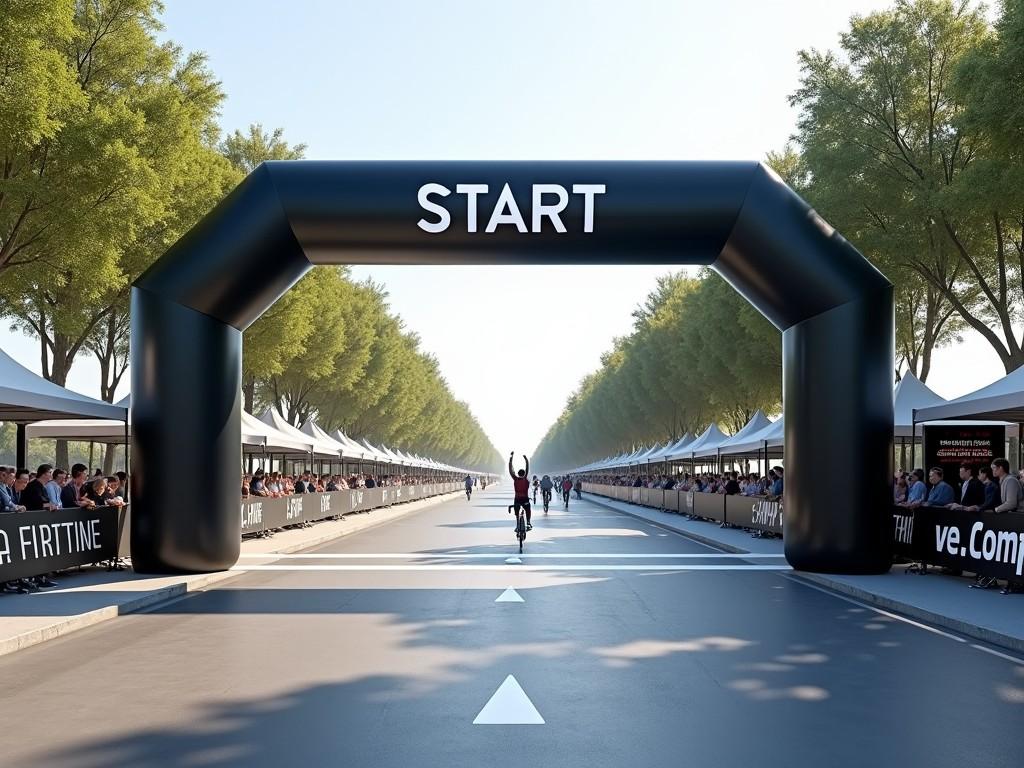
[[911, 146], [110, 152], [698, 353]]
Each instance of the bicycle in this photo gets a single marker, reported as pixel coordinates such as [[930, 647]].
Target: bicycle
[[547, 500], [565, 496], [520, 524], [469, 493]]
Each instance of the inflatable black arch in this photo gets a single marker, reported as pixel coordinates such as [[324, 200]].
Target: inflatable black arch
[[835, 310]]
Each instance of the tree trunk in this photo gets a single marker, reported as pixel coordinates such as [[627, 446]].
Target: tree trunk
[[249, 393], [109, 453]]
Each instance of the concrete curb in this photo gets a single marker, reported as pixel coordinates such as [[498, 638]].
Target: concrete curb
[[972, 631], [197, 582]]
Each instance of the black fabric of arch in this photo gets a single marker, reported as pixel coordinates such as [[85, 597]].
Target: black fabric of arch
[[835, 311]]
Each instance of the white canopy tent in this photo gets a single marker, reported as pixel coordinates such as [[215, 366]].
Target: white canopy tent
[[769, 436], [911, 394], [757, 422], [259, 434], [709, 439], [1002, 400], [93, 430], [26, 397], [324, 440], [319, 448]]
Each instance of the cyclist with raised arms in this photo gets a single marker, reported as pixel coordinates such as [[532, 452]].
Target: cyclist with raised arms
[[521, 484]]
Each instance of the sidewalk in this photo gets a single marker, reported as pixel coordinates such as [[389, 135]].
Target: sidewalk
[[945, 601], [93, 595]]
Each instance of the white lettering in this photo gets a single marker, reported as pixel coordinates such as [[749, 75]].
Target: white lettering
[[471, 191], [988, 545], [5, 548], [24, 531], [588, 191], [1006, 547], [45, 540], [977, 528], [444, 218], [540, 209], [506, 212], [94, 524]]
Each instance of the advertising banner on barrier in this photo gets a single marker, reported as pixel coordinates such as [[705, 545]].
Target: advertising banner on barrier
[[34, 543], [754, 512], [949, 446], [977, 542]]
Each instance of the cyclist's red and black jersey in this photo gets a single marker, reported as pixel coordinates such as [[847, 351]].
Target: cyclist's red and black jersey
[[522, 487]]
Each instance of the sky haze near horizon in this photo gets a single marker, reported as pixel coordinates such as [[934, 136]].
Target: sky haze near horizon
[[549, 81]]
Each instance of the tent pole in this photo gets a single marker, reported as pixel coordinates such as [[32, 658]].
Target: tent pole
[[21, 450]]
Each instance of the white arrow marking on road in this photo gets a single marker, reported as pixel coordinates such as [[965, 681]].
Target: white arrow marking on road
[[509, 706], [514, 561], [509, 596]]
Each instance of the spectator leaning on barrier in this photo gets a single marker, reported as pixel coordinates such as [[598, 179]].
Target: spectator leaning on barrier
[[732, 487], [69, 492], [777, 486], [918, 491], [941, 493], [7, 502], [20, 483], [55, 487], [900, 488], [1010, 494], [972, 492], [991, 489], [35, 497]]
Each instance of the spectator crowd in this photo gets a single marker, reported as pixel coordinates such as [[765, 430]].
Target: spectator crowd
[[49, 489], [726, 483], [277, 484]]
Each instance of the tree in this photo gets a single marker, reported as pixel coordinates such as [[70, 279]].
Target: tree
[[897, 163], [698, 353], [245, 151]]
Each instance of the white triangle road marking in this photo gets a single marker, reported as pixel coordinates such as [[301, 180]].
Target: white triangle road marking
[[514, 561], [509, 596], [509, 705]]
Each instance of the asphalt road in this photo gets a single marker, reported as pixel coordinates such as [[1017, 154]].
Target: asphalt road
[[635, 646]]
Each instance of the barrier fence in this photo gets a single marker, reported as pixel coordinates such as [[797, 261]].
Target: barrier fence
[[753, 512], [982, 543], [977, 542], [36, 543]]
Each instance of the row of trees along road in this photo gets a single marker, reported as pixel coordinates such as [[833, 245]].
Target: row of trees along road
[[910, 141], [110, 150]]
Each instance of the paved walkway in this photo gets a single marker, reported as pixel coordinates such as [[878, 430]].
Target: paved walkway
[[92, 595], [945, 601]]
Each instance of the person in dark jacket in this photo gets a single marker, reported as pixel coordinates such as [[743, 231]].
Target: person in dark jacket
[[991, 488], [34, 497], [972, 491]]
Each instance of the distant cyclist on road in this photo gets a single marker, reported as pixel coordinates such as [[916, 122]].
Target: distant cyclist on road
[[469, 487], [521, 484], [566, 488], [579, 488], [546, 487], [536, 487]]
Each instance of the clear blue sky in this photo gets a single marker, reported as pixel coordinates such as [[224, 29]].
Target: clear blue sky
[[558, 79]]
